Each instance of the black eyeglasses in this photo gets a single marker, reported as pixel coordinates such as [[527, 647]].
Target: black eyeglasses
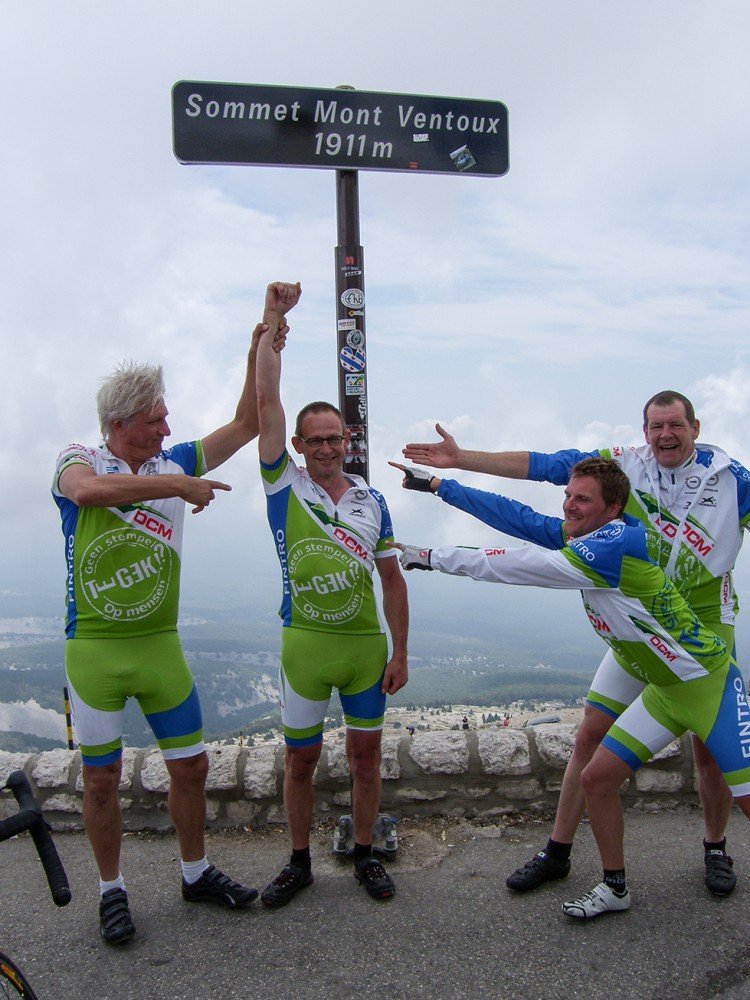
[[334, 441]]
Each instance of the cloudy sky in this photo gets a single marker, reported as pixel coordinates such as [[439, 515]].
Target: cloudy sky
[[538, 310]]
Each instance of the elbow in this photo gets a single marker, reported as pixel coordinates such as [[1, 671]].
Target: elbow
[[85, 496], [246, 429]]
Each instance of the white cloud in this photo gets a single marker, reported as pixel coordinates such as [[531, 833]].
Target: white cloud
[[538, 310]]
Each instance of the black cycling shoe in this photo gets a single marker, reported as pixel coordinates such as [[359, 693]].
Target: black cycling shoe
[[542, 868], [720, 878], [286, 885], [373, 876], [215, 887], [115, 923]]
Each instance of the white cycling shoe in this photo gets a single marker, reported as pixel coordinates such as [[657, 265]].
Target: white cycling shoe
[[600, 900]]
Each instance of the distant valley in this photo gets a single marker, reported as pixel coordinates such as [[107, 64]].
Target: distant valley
[[235, 654]]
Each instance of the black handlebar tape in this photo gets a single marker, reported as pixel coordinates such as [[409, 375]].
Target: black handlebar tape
[[30, 818], [53, 866], [17, 823]]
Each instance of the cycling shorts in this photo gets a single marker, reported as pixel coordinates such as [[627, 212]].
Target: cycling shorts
[[312, 664], [104, 673], [615, 684], [714, 707]]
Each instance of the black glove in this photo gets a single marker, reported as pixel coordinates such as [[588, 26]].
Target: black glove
[[417, 479], [412, 557]]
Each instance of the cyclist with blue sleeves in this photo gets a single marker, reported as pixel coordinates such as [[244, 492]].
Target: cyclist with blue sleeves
[[688, 676], [694, 502]]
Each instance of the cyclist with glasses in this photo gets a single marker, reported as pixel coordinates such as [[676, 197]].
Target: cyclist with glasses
[[331, 531]]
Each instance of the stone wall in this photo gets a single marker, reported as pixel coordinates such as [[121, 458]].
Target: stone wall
[[481, 774]]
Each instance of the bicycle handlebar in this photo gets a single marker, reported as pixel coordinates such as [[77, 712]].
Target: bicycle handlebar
[[29, 817]]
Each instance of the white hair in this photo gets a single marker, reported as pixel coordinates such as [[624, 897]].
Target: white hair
[[131, 388]]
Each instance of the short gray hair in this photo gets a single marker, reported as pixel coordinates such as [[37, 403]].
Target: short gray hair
[[131, 388]]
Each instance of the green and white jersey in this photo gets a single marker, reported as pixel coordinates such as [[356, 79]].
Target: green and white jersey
[[694, 516], [124, 562], [327, 551], [630, 602]]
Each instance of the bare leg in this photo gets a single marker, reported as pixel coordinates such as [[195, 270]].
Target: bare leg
[[553, 863], [601, 781], [570, 807], [298, 792], [298, 803], [187, 803], [363, 752], [715, 795], [102, 817]]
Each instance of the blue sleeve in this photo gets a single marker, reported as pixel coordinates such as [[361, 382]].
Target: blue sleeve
[[386, 524], [506, 515], [555, 468], [187, 455], [742, 478]]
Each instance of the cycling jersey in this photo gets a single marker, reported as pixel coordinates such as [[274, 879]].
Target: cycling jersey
[[690, 680], [326, 550], [124, 562], [629, 601], [693, 515]]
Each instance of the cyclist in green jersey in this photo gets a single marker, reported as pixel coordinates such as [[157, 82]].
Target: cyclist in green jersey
[[122, 508], [694, 502], [330, 531], [690, 679]]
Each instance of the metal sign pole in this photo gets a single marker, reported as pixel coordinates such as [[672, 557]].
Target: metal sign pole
[[345, 130], [350, 322]]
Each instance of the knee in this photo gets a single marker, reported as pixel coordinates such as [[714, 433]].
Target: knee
[[364, 763], [591, 782], [101, 784], [598, 780], [300, 763], [590, 733], [189, 772]]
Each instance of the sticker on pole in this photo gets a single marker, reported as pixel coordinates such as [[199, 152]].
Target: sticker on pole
[[352, 360], [353, 298], [354, 385]]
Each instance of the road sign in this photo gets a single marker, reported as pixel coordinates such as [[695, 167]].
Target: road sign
[[338, 129]]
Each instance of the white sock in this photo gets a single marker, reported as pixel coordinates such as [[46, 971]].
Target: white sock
[[118, 883], [192, 870]]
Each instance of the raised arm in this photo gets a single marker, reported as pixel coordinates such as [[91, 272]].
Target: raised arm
[[280, 298], [222, 443], [446, 454]]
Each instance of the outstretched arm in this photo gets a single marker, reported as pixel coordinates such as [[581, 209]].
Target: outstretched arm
[[524, 567], [446, 454], [511, 516], [280, 298]]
